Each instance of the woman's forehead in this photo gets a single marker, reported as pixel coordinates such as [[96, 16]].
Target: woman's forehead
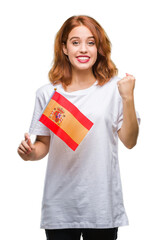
[[80, 32]]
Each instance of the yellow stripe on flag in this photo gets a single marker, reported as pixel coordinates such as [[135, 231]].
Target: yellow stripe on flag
[[69, 123]]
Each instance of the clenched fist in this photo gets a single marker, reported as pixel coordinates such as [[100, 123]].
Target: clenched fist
[[126, 86]]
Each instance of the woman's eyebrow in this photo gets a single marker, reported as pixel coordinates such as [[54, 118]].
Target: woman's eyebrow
[[78, 37]]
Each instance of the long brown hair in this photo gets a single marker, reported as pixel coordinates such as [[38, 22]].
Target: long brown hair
[[103, 69]]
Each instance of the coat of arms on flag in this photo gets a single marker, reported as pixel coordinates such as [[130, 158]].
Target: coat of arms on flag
[[65, 120]]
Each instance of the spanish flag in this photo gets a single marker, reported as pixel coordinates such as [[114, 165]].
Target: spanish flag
[[65, 120]]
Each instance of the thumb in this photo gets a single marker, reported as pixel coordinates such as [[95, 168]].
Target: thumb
[[27, 137], [28, 140], [30, 144]]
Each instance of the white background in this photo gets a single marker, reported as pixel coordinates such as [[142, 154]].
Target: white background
[[28, 30]]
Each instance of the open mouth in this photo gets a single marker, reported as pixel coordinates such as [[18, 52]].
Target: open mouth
[[83, 59]]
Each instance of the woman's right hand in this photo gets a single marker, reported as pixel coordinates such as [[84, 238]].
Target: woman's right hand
[[26, 149]]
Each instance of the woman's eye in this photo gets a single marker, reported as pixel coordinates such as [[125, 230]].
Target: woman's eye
[[75, 42], [91, 43]]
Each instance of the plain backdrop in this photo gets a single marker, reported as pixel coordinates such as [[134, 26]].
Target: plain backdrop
[[28, 29]]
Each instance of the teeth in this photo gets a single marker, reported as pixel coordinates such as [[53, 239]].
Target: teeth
[[83, 58]]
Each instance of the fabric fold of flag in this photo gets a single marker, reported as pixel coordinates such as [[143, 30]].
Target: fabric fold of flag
[[65, 120]]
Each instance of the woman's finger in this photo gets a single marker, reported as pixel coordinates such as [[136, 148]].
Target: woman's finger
[[25, 145], [31, 145], [23, 149], [26, 135], [28, 140]]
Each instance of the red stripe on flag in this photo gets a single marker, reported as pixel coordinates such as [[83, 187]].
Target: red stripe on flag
[[59, 132], [73, 110]]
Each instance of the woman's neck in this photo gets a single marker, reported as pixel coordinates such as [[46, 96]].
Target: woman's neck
[[82, 78]]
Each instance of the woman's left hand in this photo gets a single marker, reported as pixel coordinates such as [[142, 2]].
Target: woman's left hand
[[126, 86]]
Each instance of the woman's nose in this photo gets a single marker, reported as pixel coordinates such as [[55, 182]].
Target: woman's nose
[[83, 48]]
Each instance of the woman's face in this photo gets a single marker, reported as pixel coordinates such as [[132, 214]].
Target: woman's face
[[81, 48]]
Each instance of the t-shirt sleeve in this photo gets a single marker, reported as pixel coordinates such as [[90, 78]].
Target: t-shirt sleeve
[[119, 119], [36, 127]]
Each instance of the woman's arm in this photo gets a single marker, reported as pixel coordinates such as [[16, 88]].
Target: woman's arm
[[128, 133], [29, 151]]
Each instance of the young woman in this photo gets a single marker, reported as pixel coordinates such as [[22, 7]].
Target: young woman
[[83, 193]]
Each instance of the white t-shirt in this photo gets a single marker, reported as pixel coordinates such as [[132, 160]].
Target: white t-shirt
[[83, 187]]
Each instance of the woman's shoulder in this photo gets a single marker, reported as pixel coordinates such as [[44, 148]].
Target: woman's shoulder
[[112, 83], [111, 87], [115, 79], [116, 91]]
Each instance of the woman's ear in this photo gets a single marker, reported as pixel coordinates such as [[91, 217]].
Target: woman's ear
[[65, 49]]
